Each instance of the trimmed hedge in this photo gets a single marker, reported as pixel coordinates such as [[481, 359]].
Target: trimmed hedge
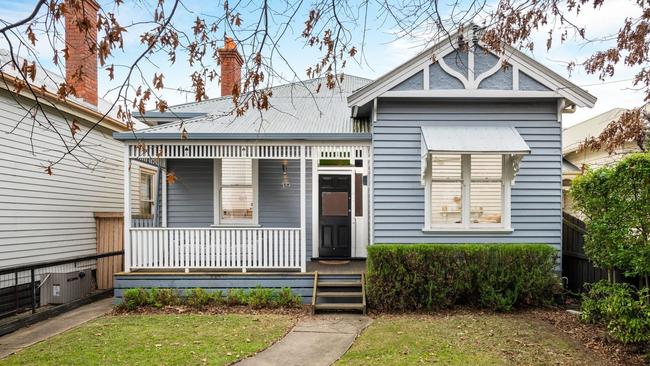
[[435, 276]]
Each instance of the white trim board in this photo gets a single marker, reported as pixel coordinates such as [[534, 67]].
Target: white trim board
[[355, 252]]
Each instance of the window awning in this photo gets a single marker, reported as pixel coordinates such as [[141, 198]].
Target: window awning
[[459, 139]]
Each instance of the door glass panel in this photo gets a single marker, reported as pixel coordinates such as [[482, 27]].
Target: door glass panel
[[334, 204], [358, 195]]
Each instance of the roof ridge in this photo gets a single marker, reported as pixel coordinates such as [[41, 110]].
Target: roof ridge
[[276, 87]]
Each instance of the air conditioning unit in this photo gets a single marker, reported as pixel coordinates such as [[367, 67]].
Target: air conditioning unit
[[62, 288]]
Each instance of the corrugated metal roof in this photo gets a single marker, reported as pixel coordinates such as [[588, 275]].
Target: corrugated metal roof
[[295, 108], [574, 136], [473, 139]]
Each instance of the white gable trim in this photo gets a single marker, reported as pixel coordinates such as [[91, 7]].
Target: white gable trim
[[472, 93], [517, 59], [399, 74]]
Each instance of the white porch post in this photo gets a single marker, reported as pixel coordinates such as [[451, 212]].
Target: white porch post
[[303, 212], [127, 210], [163, 209]]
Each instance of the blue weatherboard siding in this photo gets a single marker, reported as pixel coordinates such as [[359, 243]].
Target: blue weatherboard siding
[[190, 198], [399, 195], [280, 206]]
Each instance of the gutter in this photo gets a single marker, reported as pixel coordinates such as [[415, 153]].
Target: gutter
[[131, 136]]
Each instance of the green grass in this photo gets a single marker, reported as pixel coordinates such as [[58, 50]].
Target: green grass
[[479, 339], [158, 340]]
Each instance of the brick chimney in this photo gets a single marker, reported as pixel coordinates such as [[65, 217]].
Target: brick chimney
[[231, 62], [81, 42]]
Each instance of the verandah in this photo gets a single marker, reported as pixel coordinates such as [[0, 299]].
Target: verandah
[[231, 245]]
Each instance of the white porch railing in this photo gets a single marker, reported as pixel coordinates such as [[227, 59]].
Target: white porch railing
[[216, 248]]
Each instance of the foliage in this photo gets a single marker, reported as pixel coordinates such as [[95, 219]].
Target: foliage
[[624, 310], [167, 297], [616, 204], [433, 276], [160, 339], [632, 126], [632, 179], [199, 298], [287, 299], [134, 298], [236, 296], [259, 297], [594, 195]]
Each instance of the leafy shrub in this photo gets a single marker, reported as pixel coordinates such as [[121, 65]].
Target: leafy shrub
[[433, 276], [624, 310], [217, 297], [287, 299], [198, 298], [615, 203], [166, 297], [236, 296], [259, 297], [134, 298]]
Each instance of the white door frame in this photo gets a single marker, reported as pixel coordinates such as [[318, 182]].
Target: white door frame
[[315, 224]]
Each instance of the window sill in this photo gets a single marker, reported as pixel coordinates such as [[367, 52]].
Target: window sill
[[468, 231]]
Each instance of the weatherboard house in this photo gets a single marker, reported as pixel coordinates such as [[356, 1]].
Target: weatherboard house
[[463, 147]]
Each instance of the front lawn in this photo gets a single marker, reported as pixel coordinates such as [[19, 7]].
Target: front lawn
[[465, 339], [186, 339]]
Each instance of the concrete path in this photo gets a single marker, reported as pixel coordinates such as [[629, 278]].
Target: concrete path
[[315, 341], [14, 342]]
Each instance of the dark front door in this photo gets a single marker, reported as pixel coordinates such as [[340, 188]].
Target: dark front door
[[334, 214]]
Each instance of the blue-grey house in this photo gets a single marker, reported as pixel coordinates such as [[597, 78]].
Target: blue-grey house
[[453, 146]]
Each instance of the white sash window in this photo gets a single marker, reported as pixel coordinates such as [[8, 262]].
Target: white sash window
[[467, 192], [235, 191]]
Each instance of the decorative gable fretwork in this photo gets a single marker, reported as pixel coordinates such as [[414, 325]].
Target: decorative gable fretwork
[[449, 71], [476, 68]]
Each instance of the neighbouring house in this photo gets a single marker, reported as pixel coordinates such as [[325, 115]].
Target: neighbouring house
[[576, 158], [52, 217], [462, 147]]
